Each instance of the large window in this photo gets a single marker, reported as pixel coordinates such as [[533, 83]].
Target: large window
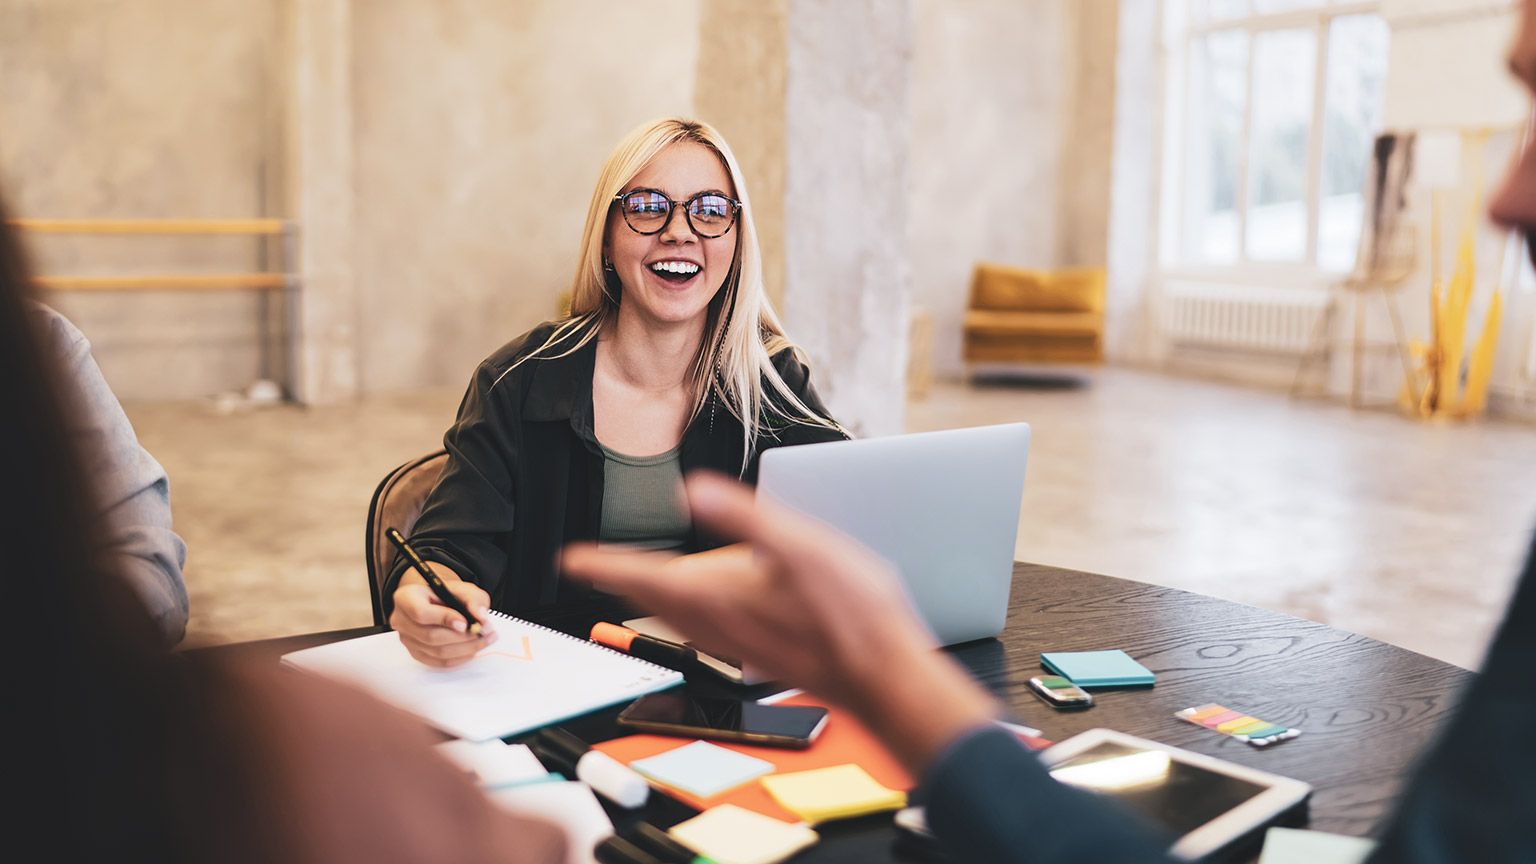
[[1272, 107]]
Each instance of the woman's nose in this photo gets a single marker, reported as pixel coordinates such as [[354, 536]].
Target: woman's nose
[[677, 229]]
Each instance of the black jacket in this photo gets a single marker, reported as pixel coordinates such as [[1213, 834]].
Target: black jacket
[[525, 477]]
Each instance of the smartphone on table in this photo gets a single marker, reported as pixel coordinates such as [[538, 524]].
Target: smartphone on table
[[725, 719]]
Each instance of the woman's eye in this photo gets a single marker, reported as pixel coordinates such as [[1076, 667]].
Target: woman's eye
[[646, 203]]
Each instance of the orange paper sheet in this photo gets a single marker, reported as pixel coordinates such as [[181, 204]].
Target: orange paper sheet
[[844, 740]]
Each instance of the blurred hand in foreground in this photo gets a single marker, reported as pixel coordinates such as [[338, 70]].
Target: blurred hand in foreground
[[806, 605]]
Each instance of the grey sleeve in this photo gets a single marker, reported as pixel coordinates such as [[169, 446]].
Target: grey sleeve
[[134, 489]]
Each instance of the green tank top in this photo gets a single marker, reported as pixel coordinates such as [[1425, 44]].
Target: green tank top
[[640, 500]]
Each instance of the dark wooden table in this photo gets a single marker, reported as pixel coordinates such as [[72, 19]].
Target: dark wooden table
[[1366, 708]]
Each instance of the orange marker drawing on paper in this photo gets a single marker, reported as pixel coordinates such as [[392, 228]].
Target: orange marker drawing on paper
[[526, 655]]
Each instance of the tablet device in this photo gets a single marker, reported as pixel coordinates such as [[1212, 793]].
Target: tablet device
[[1213, 807]]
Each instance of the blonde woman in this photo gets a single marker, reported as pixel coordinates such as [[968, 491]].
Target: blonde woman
[[672, 359]]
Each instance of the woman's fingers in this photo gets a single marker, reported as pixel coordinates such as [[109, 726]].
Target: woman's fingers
[[432, 632]]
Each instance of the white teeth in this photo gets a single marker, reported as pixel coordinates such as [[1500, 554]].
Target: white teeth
[[675, 267]]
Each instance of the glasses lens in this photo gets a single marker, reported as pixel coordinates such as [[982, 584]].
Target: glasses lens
[[711, 214], [645, 211]]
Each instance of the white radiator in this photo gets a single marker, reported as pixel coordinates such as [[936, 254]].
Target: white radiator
[[1243, 317]]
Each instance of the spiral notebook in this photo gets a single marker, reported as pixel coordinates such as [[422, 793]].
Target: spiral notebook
[[531, 677]]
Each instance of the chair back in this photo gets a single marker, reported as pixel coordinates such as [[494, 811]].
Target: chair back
[[397, 504]]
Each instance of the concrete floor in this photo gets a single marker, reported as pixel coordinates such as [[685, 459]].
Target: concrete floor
[[1405, 531]]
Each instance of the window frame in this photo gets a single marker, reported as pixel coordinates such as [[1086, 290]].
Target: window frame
[[1178, 38]]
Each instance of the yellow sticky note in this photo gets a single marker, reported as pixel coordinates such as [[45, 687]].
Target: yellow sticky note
[[839, 792], [734, 835]]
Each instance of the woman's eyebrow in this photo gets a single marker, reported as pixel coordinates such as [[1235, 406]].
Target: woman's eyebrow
[[710, 191]]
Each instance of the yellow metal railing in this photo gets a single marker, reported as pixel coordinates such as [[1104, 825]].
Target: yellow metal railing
[[286, 278]]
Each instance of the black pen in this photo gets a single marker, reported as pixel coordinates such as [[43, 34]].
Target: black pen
[[617, 850], [434, 581]]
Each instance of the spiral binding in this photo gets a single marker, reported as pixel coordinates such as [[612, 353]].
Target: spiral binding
[[598, 645]]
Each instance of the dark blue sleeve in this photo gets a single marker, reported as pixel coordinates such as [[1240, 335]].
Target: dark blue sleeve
[[1473, 796], [989, 799]]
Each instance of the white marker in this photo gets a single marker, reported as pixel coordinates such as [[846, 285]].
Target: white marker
[[606, 775]]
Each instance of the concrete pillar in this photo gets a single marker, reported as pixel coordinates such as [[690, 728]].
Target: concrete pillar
[[318, 177], [739, 89], [1087, 143], [1135, 173], [847, 276]]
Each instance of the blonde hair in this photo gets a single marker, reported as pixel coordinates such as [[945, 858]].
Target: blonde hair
[[741, 332]]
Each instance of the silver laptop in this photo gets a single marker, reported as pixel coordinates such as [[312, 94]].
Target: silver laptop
[[943, 507]]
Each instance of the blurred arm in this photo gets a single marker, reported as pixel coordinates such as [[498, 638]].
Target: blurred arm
[[134, 489]]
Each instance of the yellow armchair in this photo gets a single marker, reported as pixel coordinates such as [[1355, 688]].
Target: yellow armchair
[[1035, 316]]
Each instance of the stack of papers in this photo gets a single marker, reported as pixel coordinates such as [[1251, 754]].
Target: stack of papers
[[728, 834], [495, 763], [839, 792], [569, 804]]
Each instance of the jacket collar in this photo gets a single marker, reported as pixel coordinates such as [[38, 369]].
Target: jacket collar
[[560, 388]]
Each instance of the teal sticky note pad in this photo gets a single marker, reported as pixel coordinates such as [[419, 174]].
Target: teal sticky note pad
[[702, 769], [1098, 668]]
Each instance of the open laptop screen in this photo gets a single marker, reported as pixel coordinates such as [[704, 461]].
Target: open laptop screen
[[943, 507]]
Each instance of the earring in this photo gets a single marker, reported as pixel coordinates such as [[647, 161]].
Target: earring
[[607, 265]]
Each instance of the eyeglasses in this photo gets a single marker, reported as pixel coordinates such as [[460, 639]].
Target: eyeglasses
[[648, 211]]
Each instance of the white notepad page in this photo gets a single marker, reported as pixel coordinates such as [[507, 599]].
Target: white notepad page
[[531, 677]]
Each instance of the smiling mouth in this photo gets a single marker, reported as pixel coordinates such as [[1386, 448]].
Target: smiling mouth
[[675, 271]]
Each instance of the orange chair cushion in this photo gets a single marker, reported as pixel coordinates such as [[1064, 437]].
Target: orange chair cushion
[[994, 286], [1002, 323]]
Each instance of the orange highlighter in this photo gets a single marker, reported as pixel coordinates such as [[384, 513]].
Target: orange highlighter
[[658, 651]]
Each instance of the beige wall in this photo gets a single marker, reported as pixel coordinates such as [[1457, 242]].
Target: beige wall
[[739, 88], [157, 108], [477, 130], [1088, 82], [481, 127], [1012, 120], [847, 280]]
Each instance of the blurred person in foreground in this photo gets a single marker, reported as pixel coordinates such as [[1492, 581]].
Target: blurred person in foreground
[[129, 752], [813, 608]]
